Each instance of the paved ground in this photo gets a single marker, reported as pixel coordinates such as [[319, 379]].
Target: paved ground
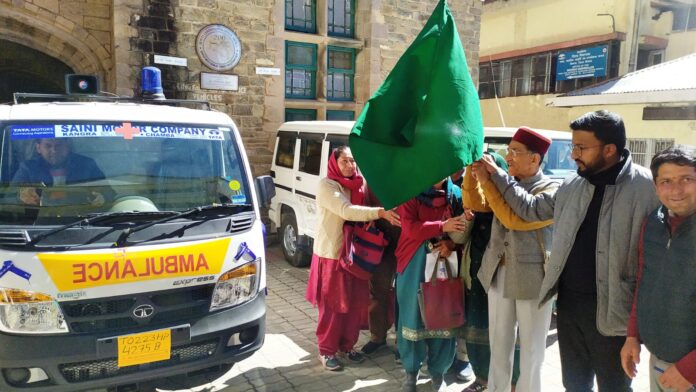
[[288, 360]]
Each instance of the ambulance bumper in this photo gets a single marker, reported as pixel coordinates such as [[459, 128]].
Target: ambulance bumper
[[73, 362]]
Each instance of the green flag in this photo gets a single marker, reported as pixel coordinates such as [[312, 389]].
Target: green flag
[[424, 122]]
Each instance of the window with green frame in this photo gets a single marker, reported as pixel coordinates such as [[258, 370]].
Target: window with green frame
[[341, 18], [300, 114], [301, 15], [341, 73], [300, 70], [340, 115]]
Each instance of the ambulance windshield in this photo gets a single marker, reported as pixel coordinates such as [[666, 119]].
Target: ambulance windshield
[[54, 173]]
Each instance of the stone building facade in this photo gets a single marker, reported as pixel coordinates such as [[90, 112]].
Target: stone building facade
[[114, 39]]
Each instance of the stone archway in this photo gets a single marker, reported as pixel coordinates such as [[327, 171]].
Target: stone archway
[[57, 38], [23, 69]]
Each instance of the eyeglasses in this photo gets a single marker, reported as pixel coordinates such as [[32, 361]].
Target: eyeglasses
[[581, 149], [514, 152]]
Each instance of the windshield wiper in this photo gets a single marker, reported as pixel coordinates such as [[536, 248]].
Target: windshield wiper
[[93, 219], [121, 241]]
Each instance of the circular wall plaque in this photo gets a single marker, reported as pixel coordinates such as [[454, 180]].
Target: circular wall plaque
[[218, 47]]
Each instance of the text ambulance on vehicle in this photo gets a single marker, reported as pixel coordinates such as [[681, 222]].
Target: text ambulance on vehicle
[[149, 263]]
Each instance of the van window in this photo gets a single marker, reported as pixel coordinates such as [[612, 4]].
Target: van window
[[285, 155], [336, 141], [557, 161], [310, 156]]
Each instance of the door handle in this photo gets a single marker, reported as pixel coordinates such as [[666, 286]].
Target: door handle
[[298, 178]]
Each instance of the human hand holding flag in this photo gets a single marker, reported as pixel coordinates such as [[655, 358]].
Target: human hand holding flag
[[424, 122]]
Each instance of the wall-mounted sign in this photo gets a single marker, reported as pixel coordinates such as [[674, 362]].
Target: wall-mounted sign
[[218, 47], [169, 60], [267, 71], [213, 81], [582, 63]]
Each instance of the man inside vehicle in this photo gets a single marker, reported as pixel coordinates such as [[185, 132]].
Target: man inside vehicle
[[54, 164]]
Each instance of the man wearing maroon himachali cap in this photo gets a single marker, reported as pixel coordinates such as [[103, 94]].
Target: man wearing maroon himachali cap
[[513, 269], [534, 141]]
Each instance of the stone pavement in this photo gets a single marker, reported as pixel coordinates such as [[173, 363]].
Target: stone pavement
[[288, 360]]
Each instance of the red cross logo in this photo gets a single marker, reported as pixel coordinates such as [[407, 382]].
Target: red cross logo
[[127, 131]]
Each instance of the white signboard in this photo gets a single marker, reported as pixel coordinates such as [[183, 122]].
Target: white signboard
[[267, 71], [168, 60], [213, 81]]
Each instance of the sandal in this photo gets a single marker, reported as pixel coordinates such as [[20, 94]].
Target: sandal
[[476, 387]]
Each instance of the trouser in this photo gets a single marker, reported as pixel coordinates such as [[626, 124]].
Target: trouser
[[586, 353], [439, 353], [337, 331], [381, 299], [506, 318]]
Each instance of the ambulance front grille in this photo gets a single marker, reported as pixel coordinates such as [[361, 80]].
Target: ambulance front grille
[[96, 370], [241, 223], [115, 314], [10, 237]]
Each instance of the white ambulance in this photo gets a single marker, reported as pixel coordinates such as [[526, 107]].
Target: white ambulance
[[301, 157], [131, 245]]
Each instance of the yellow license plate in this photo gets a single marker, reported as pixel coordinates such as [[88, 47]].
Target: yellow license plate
[[144, 347]]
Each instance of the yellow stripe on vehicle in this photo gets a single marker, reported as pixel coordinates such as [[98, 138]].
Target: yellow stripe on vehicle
[[80, 270]]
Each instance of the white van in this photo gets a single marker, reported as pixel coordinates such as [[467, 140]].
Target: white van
[[142, 257], [300, 159]]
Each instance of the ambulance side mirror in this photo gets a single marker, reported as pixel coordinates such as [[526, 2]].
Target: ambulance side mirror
[[265, 190]]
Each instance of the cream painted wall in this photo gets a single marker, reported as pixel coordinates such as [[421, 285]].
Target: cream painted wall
[[524, 24], [528, 110], [680, 44], [520, 24], [531, 111], [683, 131]]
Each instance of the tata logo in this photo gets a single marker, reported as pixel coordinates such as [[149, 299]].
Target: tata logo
[[143, 311]]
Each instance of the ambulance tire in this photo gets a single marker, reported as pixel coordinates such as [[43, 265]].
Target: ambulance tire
[[287, 235]]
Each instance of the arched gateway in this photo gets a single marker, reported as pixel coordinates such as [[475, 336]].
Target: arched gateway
[[40, 45]]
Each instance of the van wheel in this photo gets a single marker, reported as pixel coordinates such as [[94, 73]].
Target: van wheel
[[288, 241]]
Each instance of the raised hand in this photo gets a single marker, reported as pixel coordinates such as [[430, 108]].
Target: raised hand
[[453, 224], [488, 161], [480, 173], [391, 216]]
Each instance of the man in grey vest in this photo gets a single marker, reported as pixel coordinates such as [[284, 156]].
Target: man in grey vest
[[664, 310], [597, 218]]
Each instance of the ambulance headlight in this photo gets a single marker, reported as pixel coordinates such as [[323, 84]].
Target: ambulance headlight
[[236, 286], [27, 312]]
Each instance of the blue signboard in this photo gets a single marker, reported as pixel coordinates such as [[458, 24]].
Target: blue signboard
[[583, 63]]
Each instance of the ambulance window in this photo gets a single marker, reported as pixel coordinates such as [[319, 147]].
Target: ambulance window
[[310, 156], [285, 155], [166, 167]]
